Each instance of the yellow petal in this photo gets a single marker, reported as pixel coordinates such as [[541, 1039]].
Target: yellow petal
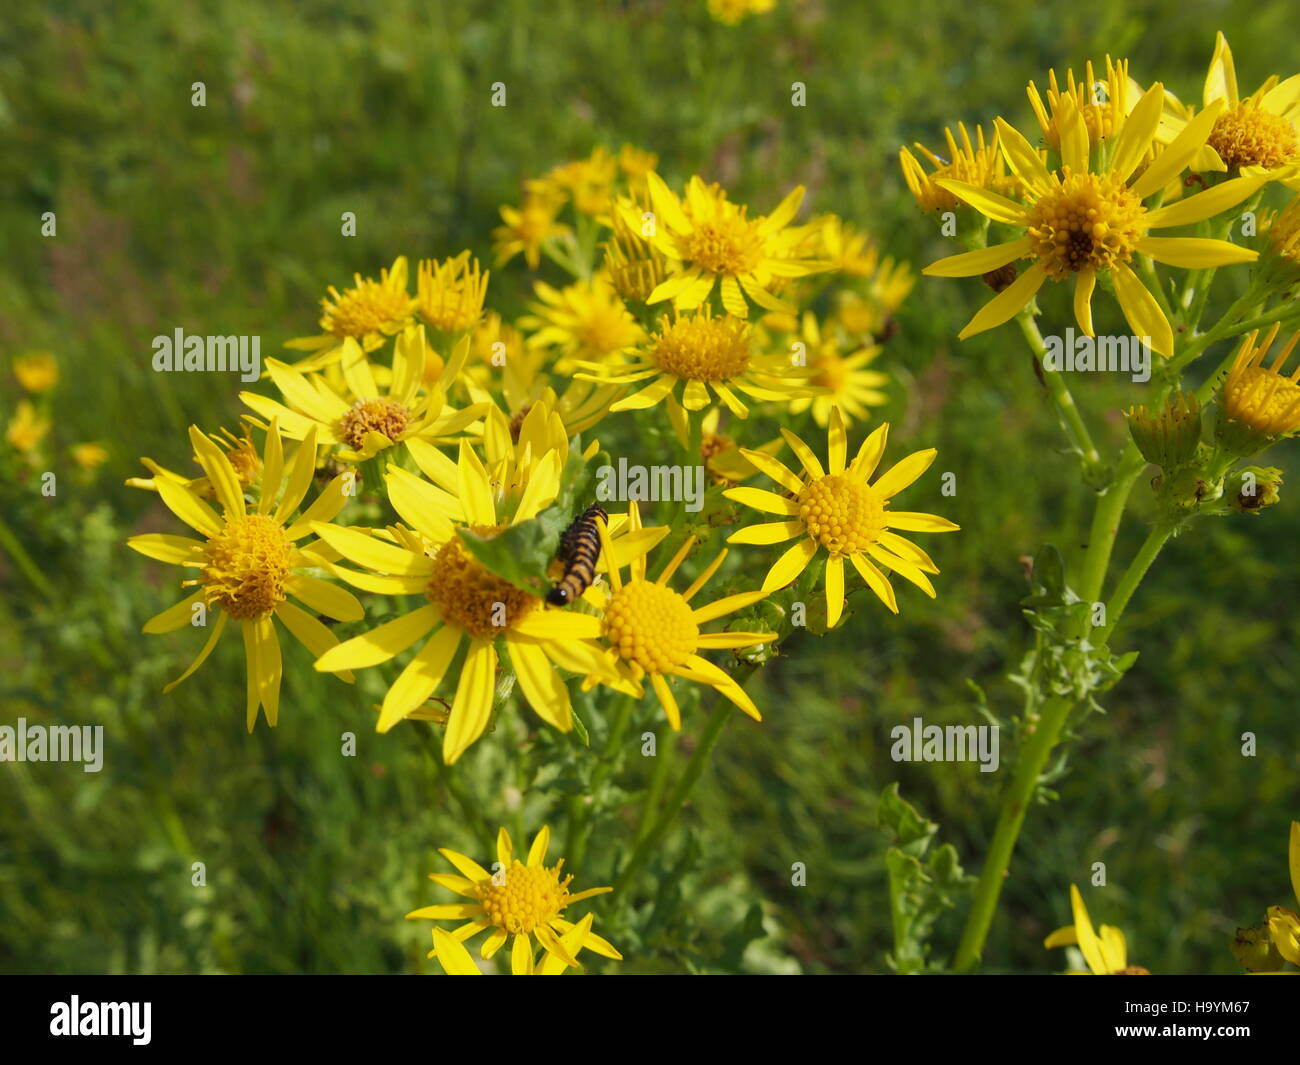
[[834, 589], [1083, 286], [188, 507], [372, 553], [905, 472], [1141, 310], [380, 644], [1195, 253], [325, 598], [1180, 152], [541, 685], [174, 616], [760, 499], [420, 678], [990, 204], [473, 703], [790, 565], [981, 261], [1207, 204], [1007, 303]]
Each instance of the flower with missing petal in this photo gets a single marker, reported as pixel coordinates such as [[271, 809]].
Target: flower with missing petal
[[518, 901], [1104, 950], [250, 561], [843, 513], [1079, 223]]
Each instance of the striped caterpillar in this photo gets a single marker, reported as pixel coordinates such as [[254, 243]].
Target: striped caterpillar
[[579, 551]]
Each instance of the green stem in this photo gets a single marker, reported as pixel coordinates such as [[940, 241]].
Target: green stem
[[654, 792], [580, 805], [14, 548], [1132, 577], [1075, 429]]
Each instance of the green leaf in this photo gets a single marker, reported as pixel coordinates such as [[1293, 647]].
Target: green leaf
[[520, 555]]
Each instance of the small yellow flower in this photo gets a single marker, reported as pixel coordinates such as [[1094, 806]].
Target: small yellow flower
[[713, 242], [1104, 104], [731, 12], [848, 251], [979, 164], [36, 371], [89, 456], [240, 452], [849, 385], [1284, 924], [368, 313], [585, 320], [1104, 950], [635, 164], [1257, 400], [1078, 223], [842, 513], [1257, 133], [1283, 231], [451, 293], [523, 900], [26, 428], [587, 181], [455, 960], [528, 227], [248, 562]]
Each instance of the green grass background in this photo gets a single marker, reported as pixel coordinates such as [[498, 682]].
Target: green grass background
[[225, 220]]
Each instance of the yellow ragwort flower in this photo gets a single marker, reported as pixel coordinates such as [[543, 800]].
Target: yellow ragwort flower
[[843, 513], [451, 293], [26, 428], [528, 227], [1257, 398], [1256, 133], [368, 313], [849, 384], [1103, 104], [523, 900], [89, 456], [979, 164], [1078, 223], [1105, 950], [249, 562], [585, 320], [36, 371], [731, 12], [1284, 924]]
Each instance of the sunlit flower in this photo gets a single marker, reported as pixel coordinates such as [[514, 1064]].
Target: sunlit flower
[[731, 12], [587, 181], [1105, 950], [713, 242], [1104, 104], [368, 313], [1079, 223], [455, 960], [585, 320], [842, 513], [89, 456], [848, 251], [1256, 133], [634, 266], [451, 293], [849, 384], [979, 164], [464, 600], [364, 419], [36, 371], [704, 354], [1259, 404], [527, 228], [523, 900], [26, 428], [240, 452], [1284, 924], [250, 561]]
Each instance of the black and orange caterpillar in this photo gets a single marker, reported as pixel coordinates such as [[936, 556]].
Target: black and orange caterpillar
[[579, 551]]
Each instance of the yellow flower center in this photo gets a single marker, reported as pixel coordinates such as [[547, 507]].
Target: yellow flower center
[[365, 309], [830, 371], [472, 596], [651, 625], [452, 293], [843, 515], [606, 329], [1263, 401], [385, 416], [1087, 222], [528, 896], [247, 565], [1249, 136], [703, 348], [726, 244]]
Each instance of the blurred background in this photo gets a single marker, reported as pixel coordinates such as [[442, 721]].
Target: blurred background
[[225, 219]]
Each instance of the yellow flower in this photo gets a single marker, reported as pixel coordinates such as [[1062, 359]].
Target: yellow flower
[[648, 629], [979, 164], [368, 313], [1105, 950], [26, 428], [248, 562], [518, 899], [842, 513], [464, 600], [240, 452], [362, 420], [1260, 132], [634, 266], [452, 293], [1103, 104], [1260, 404], [1284, 924], [587, 181], [89, 456], [730, 12], [849, 385], [36, 371], [527, 227], [584, 320], [723, 461], [456, 960], [635, 164], [702, 353], [847, 250], [1079, 223], [1283, 231], [712, 241]]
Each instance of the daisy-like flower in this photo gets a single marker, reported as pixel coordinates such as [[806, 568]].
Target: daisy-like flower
[[455, 960], [648, 629], [979, 164], [848, 251], [635, 163], [849, 384], [1284, 924], [634, 266], [523, 900], [250, 561], [528, 227], [464, 601], [36, 371], [587, 181], [1079, 223], [26, 429], [364, 420], [368, 313], [1104, 950], [843, 513], [703, 354], [713, 242], [1103, 104], [1259, 405], [451, 293], [1256, 133], [585, 320], [1283, 231], [240, 452], [731, 12]]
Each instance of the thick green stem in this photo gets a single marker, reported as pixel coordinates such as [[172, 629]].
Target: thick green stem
[[1132, 577]]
